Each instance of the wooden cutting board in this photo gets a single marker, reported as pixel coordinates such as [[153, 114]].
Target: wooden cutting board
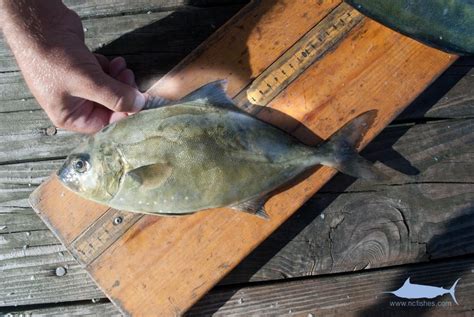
[[305, 66]]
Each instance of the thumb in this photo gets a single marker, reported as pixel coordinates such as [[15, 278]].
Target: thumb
[[113, 94]]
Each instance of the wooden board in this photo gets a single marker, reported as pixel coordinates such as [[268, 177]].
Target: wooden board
[[436, 208], [164, 265], [352, 294]]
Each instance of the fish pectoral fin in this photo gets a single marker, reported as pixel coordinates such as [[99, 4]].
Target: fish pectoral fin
[[214, 94], [253, 206], [151, 176]]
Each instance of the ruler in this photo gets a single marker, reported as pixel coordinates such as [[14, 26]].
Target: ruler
[[322, 38], [100, 235]]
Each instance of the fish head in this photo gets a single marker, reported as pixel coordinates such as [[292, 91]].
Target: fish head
[[93, 171]]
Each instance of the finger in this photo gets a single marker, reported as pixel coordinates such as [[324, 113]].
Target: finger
[[127, 77], [103, 62], [116, 116], [95, 119], [109, 92], [98, 118], [85, 117], [117, 65]]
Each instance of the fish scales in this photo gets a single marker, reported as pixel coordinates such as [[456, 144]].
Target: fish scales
[[198, 153]]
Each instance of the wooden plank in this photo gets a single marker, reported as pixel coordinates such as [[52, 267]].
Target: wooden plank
[[353, 294], [307, 244], [94, 8], [38, 282], [375, 52], [36, 139], [449, 103], [257, 50], [152, 43], [17, 181], [29, 252], [78, 309]]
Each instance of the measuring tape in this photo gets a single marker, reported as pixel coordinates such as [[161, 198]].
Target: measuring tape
[[310, 48]]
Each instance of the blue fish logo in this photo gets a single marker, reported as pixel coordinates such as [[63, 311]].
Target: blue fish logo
[[416, 291]]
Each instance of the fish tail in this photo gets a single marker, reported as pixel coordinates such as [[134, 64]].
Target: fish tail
[[340, 150], [452, 291]]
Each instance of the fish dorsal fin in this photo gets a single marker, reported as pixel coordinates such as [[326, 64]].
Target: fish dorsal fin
[[213, 93], [407, 282]]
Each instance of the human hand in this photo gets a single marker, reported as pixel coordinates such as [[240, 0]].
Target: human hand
[[79, 91]]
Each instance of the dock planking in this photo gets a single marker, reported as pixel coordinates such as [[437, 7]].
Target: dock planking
[[434, 183], [408, 222], [352, 294]]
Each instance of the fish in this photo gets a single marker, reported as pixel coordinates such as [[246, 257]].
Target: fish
[[447, 25], [417, 291], [202, 152]]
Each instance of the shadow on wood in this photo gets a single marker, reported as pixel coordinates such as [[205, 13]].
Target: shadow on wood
[[215, 70], [458, 269], [307, 214], [170, 39]]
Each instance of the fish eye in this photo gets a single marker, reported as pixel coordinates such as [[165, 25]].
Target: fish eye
[[80, 165]]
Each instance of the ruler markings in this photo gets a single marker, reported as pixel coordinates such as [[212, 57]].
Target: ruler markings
[[103, 233], [314, 44]]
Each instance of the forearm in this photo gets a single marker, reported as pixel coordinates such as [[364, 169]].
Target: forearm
[[72, 85], [28, 24]]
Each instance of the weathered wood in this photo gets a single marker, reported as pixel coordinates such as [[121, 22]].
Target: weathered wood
[[412, 215], [33, 141], [102, 309], [30, 276], [205, 239], [351, 225], [353, 294], [151, 43], [24, 221], [18, 180], [94, 8], [29, 252], [451, 95]]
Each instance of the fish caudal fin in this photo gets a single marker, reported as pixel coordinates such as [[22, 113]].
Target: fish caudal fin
[[340, 150], [452, 291]]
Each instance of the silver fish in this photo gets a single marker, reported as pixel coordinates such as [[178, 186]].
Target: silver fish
[[201, 152]]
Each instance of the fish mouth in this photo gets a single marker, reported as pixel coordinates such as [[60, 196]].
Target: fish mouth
[[66, 177], [61, 173]]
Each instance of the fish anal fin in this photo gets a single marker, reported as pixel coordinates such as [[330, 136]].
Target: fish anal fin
[[253, 206], [151, 176]]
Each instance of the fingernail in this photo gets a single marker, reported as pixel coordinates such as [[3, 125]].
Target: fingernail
[[140, 100]]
